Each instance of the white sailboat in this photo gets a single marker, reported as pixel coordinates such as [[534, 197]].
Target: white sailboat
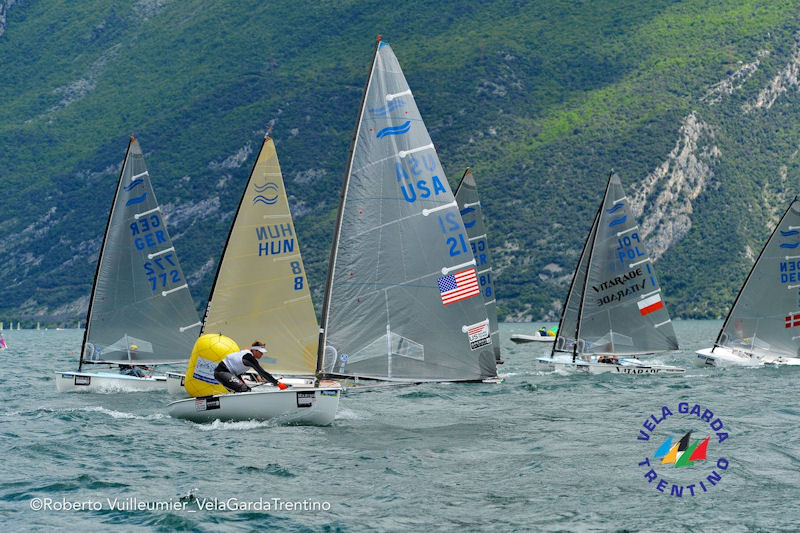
[[141, 313], [614, 311], [763, 325], [403, 300], [261, 293]]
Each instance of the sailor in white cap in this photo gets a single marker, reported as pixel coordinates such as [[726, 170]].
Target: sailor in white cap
[[230, 369]]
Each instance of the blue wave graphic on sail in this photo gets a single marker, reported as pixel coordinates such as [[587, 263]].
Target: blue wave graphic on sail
[[134, 183], [264, 200], [270, 196], [790, 233], [467, 211], [388, 108], [792, 246], [617, 221], [266, 186], [136, 200], [615, 208], [395, 130]]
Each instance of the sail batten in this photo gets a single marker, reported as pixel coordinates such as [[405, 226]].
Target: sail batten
[[393, 310]]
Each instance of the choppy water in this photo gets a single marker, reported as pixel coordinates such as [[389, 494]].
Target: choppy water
[[542, 452]]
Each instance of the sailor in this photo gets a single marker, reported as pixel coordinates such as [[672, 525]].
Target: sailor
[[230, 369], [139, 371], [543, 331]]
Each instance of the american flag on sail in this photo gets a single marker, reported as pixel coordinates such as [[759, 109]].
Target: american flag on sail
[[458, 286], [650, 304]]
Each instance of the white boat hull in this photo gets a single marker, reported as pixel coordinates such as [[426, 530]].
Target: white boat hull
[[519, 338], [722, 357], [107, 382], [296, 405], [175, 382], [628, 366]]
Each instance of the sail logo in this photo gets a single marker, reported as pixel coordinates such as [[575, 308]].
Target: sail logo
[[661, 469], [618, 221], [458, 286], [790, 233], [394, 130], [388, 108], [134, 183], [136, 200], [682, 453], [266, 194], [468, 211], [792, 320]]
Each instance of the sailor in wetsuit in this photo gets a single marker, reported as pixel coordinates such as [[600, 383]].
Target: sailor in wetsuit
[[230, 369]]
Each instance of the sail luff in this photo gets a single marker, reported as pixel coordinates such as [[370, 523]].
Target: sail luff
[[572, 286], [596, 229], [102, 252], [340, 214], [764, 320], [230, 232]]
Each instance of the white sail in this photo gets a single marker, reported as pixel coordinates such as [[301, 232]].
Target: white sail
[[140, 308], [614, 305], [402, 300]]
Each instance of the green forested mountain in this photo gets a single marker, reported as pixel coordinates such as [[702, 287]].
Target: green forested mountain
[[694, 104]]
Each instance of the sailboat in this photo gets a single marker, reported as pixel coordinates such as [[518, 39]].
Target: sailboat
[[469, 205], [763, 325], [140, 310], [402, 299], [614, 310], [261, 293]]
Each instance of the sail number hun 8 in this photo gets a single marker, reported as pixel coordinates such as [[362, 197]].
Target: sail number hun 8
[[628, 249]]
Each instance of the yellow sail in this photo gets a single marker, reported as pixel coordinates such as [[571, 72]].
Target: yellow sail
[[208, 351], [261, 291]]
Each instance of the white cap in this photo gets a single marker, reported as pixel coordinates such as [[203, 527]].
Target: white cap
[[262, 349]]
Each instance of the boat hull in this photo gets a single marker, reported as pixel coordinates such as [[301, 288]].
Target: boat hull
[[632, 367], [175, 382], [519, 338], [722, 357], [104, 382], [301, 405]]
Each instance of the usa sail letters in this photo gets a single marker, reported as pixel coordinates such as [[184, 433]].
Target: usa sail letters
[[668, 455]]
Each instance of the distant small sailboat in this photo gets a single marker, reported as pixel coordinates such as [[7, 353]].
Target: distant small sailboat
[[17, 326], [763, 324], [613, 311], [140, 310], [469, 204], [402, 299], [260, 292], [3, 345]]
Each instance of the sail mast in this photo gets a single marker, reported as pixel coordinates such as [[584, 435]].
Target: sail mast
[[337, 230], [230, 231], [589, 265], [749, 274], [100, 255]]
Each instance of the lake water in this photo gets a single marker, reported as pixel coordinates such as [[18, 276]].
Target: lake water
[[539, 452]]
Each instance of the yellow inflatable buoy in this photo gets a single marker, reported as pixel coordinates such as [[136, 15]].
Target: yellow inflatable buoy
[[208, 351]]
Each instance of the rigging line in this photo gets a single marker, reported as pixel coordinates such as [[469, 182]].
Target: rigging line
[[472, 204], [662, 323], [621, 233], [145, 173], [184, 328], [620, 200], [170, 249], [639, 263], [137, 216], [477, 237]]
